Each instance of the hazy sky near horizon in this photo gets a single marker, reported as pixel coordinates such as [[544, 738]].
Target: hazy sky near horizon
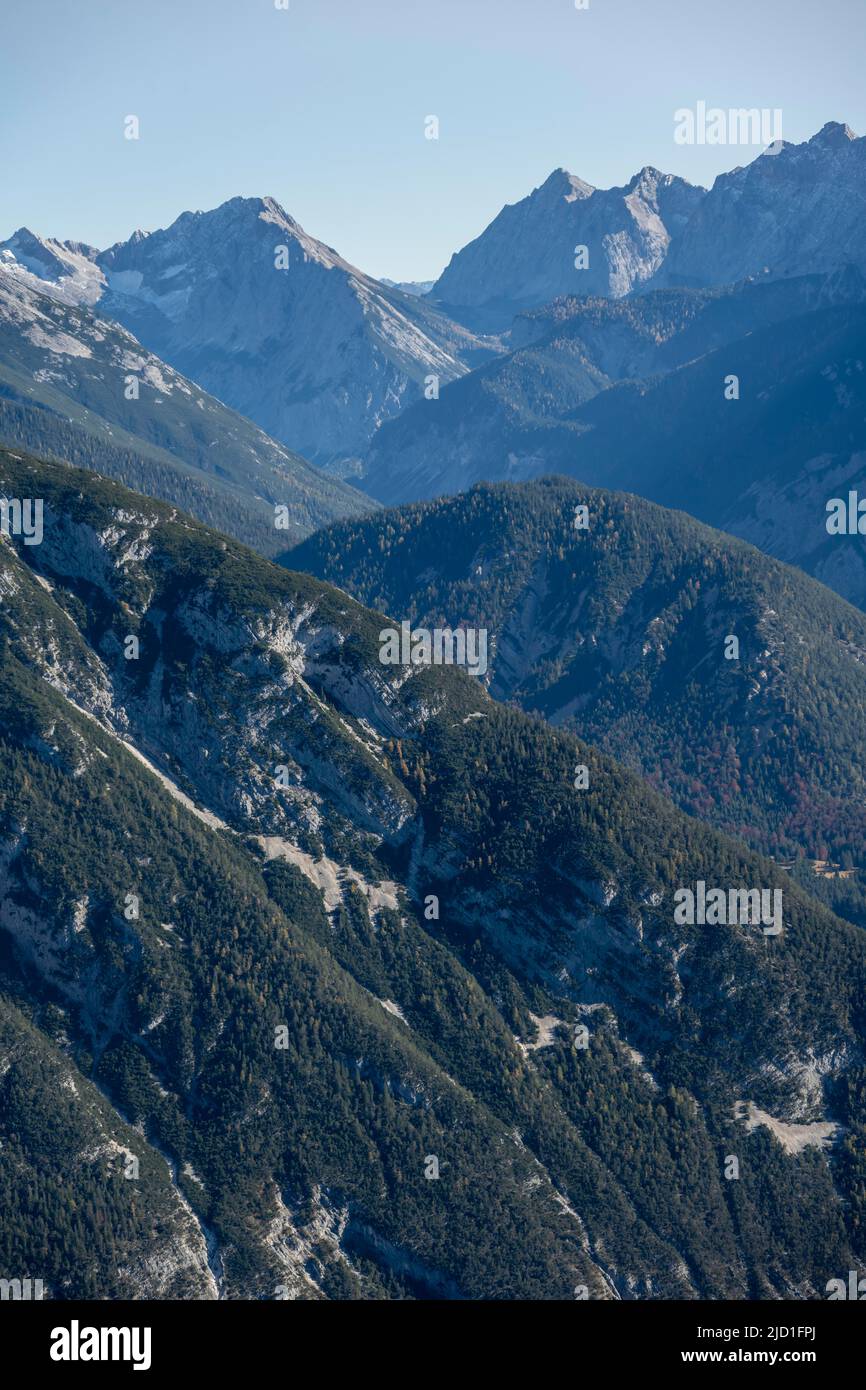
[[323, 106]]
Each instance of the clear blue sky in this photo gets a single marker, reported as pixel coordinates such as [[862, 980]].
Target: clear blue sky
[[323, 106]]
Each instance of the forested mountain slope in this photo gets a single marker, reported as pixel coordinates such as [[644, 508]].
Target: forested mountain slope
[[738, 402], [618, 630], [260, 976], [755, 434]]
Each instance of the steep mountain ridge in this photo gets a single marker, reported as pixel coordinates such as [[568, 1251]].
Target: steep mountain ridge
[[527, 255], [82, 388], [268, 319], [354, 791], [66, 270], [618, 631], [794, 212], [633, 394], [148, 1243]]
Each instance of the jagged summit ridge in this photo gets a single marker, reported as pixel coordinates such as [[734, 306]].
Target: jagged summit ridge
[[529, 253], [267, 318], [792, 210], [796, 211]]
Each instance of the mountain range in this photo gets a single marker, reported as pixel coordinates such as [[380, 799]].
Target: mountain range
[[527, 256], [379, 1003], [80, 387], [329, 970], [265, 317], [795, 210], [618, 630], [321, 356], [743, 405]]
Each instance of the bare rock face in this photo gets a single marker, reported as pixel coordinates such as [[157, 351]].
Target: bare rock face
[[279, 325], [530, 253], [67, 270], [271, 321], [92, 393], [795, 212]]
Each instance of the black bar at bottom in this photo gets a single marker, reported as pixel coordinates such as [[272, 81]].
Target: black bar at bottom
[[159, 1339]]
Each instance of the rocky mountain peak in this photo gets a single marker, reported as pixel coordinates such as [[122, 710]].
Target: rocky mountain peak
[[833, 134], [67, 270], [648, 177], [28, 246], [529, 254], [278, 325], [792, 212], [562, 184]]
